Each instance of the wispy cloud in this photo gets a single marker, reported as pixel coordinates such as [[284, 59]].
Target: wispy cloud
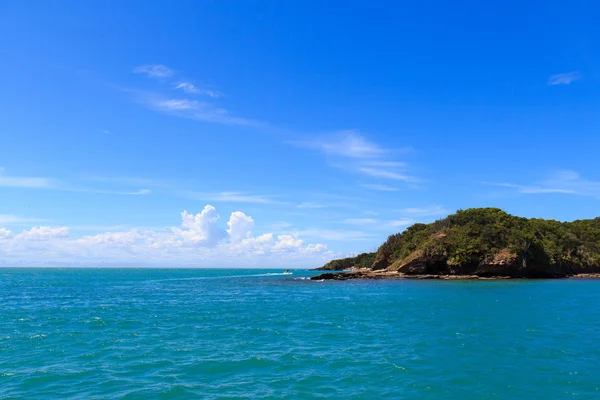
[[186, 106], [381, 224], [154, 71], [55, 184], [278, 226], [194, 109], [424, 212], [234, 197], [310, 204], [26, 181], [190, 88], [139, 192], [345, 144], [335, 235], [351, 151], [7, 219], [378, 187], [360, 221], [401, 222], [562, 182], [106, 131], [387, 174], [564, 79]]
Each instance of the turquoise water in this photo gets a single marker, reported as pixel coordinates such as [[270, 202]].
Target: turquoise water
[[135, 334]]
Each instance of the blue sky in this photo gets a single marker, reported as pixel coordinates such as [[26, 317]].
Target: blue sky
[[289, 132]]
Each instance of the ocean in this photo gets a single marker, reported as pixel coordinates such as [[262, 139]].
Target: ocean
[[228, 334]]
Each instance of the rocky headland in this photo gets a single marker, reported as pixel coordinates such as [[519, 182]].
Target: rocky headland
[[480, 243]]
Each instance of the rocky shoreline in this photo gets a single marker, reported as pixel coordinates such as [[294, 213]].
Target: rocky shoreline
[[383, 274]]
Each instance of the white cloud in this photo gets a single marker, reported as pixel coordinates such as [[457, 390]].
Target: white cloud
[[200, 228], [424, 211], [310, 204], [280, 225], [194, 109], [199, 241], [111, 238], [401, 222], [25, 181], [387, 174], [240, 226], [55, 184], [378, 187], [154, 71], [287, 243], [190, 88], [564, 79], [7, 219], [361, 221], [561, 182], [234, 197], [335, 235], [44, 233], [346, 144], [379, 224], [350, 151]]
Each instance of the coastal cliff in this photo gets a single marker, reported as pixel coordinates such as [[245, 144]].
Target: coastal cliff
[[481, 243]]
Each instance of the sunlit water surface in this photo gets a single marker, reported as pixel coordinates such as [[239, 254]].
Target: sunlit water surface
[[160, 333]]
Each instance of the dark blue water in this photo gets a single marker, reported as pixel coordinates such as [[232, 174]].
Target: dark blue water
[[136, 334]]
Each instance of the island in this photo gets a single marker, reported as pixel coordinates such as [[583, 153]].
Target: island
[[480, 243]]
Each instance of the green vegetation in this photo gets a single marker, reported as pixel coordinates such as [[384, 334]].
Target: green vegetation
[[364, 260], [488, 241]]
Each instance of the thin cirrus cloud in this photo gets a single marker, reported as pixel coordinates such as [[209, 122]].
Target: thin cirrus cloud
[[379, 223], [351, 151], [387, 174], [378, 187], [8, 219], [234, 197], [205, 110], [193, 109], [154, 71], [310, 204], [562, 182], [564, 79], [349, 144], [190, 88], [424, 211], [28, 182], [348, 150]]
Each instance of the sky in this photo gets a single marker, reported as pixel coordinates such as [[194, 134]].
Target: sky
[[285, 134]]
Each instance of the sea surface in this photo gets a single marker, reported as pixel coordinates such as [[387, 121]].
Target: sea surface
[[228, 334]]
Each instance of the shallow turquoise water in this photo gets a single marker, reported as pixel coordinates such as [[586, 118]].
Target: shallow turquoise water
[[134, 334]]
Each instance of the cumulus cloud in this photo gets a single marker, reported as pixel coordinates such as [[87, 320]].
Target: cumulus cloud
[[200, 240], [240, 226], [200, 228], [44, 233]]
